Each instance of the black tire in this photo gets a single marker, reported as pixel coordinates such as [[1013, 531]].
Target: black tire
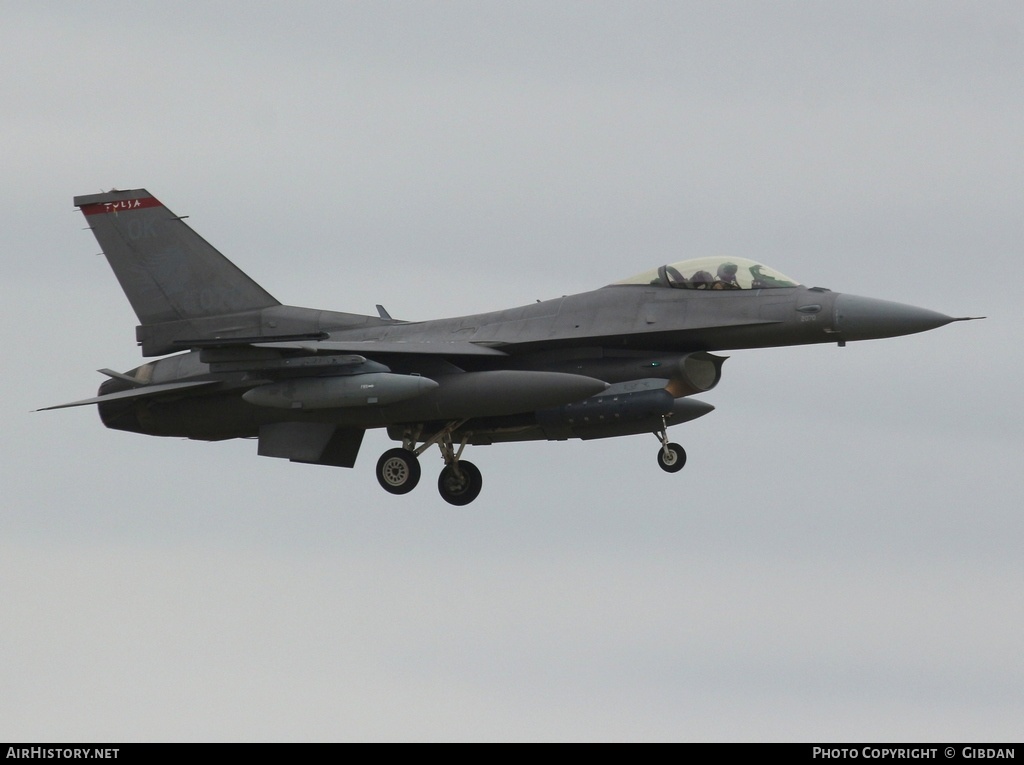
[[460, 491], [671, 458], [398, 471]]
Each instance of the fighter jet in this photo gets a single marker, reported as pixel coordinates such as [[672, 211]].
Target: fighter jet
[[621, 360]]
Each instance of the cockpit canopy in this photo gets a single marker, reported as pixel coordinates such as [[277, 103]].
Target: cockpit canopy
[[716, 273]]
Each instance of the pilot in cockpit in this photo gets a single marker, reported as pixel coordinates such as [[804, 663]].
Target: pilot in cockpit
[[702, 280], [726, 277]]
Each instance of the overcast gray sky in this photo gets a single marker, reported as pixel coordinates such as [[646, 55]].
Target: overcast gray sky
[[841, 557]]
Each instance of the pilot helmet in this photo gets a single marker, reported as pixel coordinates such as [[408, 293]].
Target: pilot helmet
[[702, 280], [727, 272]]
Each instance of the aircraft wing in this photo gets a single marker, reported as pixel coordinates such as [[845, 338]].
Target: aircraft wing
[[439, 348], [148, 390]]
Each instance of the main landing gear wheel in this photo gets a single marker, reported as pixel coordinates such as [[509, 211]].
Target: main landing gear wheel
[[671, 458], [460, 483], [398, 471]]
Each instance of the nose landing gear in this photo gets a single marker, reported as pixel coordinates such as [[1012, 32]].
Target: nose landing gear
[[671, 457]]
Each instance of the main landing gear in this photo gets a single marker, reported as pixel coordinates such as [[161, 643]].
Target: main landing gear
[[460, 482], [398, 471]]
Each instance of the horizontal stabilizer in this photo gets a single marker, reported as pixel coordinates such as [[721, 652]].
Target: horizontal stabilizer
[[148, 390], [133, 381]]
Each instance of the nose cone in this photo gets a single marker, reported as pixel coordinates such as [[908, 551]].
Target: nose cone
[[861, 318]]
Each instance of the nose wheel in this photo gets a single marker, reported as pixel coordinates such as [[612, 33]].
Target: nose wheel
[[671, 457]]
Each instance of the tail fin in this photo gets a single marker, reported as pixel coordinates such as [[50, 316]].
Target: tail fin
[[167, 270]]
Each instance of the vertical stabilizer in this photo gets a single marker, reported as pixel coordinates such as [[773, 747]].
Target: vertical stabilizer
[[168, 272]]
